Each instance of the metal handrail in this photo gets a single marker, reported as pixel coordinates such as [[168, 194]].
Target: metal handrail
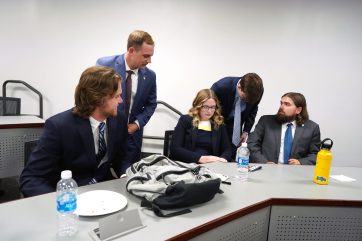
[[31, 88], [169, 107]]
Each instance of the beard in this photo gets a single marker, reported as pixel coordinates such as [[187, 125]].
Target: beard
[[108, 112], [282, 118], [113, 113]]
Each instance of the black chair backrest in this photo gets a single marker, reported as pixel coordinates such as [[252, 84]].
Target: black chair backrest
[[167, 143], [28, 149], [9, 106]]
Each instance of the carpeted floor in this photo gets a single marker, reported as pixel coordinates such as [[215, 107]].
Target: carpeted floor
[[9, 189]]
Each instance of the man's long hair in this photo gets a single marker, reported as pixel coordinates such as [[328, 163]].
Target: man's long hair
[[201, 97], [94, 85], [299, 101]]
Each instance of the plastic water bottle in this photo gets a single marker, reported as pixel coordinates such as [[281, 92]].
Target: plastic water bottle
[[242, 162], [67, 190]]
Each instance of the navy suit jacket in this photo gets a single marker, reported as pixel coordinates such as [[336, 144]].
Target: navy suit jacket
[[67, 143], [264, 141], [145, 101], [184, 138], [225, 91]]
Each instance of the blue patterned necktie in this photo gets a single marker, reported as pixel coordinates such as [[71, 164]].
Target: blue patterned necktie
[[102, 148], [236, 130], [288, 140]]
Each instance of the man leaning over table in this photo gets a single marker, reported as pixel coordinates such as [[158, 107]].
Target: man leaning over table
[[239, 98], [89, 139], [288, 137]]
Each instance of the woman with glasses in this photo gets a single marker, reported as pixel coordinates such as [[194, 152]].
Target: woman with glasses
[[201, 136]]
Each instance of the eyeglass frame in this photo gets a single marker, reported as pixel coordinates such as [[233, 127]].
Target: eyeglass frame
[[207, 108]]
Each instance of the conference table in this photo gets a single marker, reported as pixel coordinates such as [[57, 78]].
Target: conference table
[[250, 210]]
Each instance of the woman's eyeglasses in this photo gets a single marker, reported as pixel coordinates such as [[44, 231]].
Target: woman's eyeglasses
[[206, 107]]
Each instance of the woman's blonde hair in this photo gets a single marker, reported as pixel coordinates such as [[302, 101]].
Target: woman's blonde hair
[[201, 97]]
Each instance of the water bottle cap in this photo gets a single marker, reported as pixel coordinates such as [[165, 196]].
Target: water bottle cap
[[244, 144], [66, 174]]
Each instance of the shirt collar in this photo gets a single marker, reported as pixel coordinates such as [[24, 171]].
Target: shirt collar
[[94, 123], [236, 90], [286, 124], [237, 94]]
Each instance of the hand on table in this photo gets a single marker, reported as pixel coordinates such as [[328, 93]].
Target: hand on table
[[293, 162], [269, 162], [208, 159]]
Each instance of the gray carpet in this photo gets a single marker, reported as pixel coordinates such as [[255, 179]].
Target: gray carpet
[[9, 189]]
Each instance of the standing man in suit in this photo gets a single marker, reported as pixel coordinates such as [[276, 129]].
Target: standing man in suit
[[139, 89], [239, 99], [288, 137], [89, 139]]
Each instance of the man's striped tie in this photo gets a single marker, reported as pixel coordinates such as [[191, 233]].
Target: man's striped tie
[[102, 148]]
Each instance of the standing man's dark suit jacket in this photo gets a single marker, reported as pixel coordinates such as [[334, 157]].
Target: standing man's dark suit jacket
[[264, 141], [143, 106], [225, 91], [67, 144], [184, 138]]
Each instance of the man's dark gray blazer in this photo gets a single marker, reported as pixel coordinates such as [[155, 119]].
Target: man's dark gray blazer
[[67, 143], [143, 106], [264, 141], [225, 90]]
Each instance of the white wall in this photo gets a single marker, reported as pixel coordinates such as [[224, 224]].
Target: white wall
[[313, 47]]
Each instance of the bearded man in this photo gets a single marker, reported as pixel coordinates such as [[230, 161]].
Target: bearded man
[[288, 137]]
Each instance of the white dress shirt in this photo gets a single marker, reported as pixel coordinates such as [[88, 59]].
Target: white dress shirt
[[284, 128]]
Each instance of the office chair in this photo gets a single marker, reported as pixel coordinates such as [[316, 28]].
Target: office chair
[[28, 149], [9, 106], [167, 143]]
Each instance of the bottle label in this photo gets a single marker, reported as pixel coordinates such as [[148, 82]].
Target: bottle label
[[67, 202], [243, 161], [323, 167]]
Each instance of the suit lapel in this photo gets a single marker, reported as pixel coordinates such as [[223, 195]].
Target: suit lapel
[[231, 96], [214, 139], [111, 128], [121, 69], [277, 139], [140, 87], [193, 137], [85, 131], [297, 134]]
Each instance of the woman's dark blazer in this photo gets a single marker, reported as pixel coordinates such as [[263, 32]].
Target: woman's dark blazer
[[183, 141]]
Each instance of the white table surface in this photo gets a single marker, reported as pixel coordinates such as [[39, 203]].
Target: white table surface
[[36, 218], [22, 119]]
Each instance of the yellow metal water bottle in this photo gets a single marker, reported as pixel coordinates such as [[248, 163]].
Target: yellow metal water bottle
[[324, 163]]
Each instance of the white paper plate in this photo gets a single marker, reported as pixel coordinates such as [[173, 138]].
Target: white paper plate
[[99, 202]]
